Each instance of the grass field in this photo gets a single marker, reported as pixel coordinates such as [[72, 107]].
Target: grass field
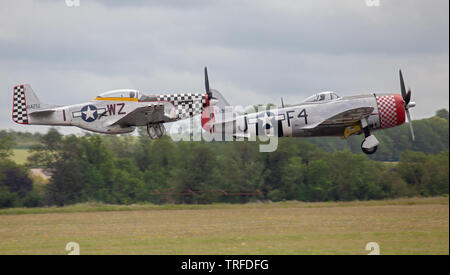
[[20, 155], [403, 226]]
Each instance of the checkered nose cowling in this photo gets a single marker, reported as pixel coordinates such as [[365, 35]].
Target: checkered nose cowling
[[391, 109], [187, 105], [19, 112]]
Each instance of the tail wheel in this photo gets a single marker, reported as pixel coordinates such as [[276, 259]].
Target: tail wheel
[[368, 151]]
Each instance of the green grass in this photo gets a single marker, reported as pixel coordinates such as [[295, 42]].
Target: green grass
[[403, 226], [100, 207], [20, 155]]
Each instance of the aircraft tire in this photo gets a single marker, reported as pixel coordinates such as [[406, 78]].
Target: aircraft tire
[[368, 151]]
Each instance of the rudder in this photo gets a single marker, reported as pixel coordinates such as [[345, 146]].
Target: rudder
[[19, 112]]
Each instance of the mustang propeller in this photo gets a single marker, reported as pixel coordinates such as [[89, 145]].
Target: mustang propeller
[[214, 96], [408, 103], [212, 99]]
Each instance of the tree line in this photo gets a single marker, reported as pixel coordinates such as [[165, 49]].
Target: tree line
[[129, 169]]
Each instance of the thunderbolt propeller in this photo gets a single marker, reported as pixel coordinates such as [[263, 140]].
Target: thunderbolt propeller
[[408, 103]]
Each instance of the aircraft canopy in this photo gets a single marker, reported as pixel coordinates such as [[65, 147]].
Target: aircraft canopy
[[322, 97], [126, 93]]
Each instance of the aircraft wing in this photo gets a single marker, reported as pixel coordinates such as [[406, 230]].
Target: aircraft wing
[[349, 117], [155, 113]]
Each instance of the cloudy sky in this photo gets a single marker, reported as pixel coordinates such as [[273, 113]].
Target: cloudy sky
[[256, 51]]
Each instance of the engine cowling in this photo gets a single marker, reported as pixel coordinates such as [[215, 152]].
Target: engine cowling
[[391, 110]]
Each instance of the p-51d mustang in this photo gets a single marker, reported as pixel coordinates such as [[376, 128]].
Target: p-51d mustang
[[113, 112], [324, 114]]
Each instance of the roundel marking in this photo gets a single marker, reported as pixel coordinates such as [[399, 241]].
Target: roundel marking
[[266, 121], [89, 113]]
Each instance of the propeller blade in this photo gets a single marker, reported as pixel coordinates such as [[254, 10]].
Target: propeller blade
[[407, 99], [215, 96], [402, 85], [410, 125], [282, 103], [206, 80]]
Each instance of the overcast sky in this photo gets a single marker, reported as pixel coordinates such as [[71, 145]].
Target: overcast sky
[[256, 51]]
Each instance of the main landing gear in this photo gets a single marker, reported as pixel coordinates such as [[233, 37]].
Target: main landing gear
[[155, 131], [370, 143]]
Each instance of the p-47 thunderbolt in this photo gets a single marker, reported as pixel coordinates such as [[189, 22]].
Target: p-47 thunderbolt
[[113, 112], [323, 114]]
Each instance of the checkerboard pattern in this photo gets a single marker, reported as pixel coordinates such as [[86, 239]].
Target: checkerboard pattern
[[19, 114], [187, 105], [387, 111]]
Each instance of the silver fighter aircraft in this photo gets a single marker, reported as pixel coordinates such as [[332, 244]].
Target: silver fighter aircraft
[[323, 114], [113, 112]]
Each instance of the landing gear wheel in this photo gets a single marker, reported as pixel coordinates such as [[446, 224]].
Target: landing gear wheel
[[368, 151], [155, 131]]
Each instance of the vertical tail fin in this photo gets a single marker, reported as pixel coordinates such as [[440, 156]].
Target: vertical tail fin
[[24, 98]]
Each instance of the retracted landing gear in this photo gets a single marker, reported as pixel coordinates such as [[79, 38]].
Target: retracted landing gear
[[370, 143], [156, 131]]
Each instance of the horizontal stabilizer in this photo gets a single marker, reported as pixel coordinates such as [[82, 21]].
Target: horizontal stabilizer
[[44, 112]]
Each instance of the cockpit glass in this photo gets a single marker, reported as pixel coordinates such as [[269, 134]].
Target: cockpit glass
[[120, 94], [311, 99], [321, 97]]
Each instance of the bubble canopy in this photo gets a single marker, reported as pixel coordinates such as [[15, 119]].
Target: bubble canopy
[[322, 97], [123, 93]]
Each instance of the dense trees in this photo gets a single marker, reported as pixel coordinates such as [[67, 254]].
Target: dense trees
[[6, 143], [15, 185], [94, 169], [127, 169], [21, 139], [426, 175]]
